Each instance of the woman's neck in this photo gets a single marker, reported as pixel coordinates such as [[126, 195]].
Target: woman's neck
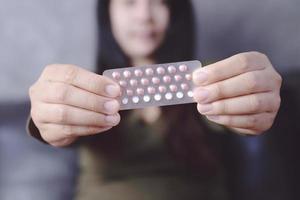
[[142, 61]]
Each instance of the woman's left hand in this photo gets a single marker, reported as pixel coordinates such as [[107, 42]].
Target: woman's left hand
[[241, 92]]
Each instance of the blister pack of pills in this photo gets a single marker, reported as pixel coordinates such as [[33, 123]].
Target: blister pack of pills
[[155, 85]]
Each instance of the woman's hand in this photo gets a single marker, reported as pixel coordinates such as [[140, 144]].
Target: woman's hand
[[68, 102], [241, 92]]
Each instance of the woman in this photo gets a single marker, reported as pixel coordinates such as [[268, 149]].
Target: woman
[[156, 156]]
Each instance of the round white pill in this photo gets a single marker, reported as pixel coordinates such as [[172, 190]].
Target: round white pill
[[116, 75], [125, 101], [123, 83], [190, 93], [160, 70], [144, 81], [129, 92], [140, 91], [172, 69], [184, 86], [133, 82], [177, 78], [155, 80], [162, 89], [149, 71], [151, 90], [179, 95], [135, 99], [127, 74], [188, 77], [138, 72], [147, 98], [173, 88], [169, 96], [183, 68], [167, 79], [157, 97]]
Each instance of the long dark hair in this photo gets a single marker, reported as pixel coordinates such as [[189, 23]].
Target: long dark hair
[[186, 138]]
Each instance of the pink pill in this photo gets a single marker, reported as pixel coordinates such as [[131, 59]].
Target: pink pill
[[188, 77], [172, 69], [140, 91], [183, 68], [138, 72], [167, 79], [129, 92], [155, 80], [116, 75], [151, 90], [184, 86], [133, 82], [123, 83], [149, 71], [173, 88], [127, 74], [162, 89], [177, 78], [160, 70], [144, 81]]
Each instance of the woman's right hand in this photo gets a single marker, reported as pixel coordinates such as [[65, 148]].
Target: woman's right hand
[[68, 102]]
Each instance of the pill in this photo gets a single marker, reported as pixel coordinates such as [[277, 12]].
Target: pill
[[162, 89], [140, 91], [179, 95], [127, 74], [173, 88], [155, 80], [188, 77], [160, 70], [133, 82], [149, 71], [190, 93], [116, 75], [125, 101], [135, 99], [184, 86], [144, 81], [183, 68], [129, 92], [169, 96], [157, 97], [172, 69], [123, 83], [167, 79], [138, 72], [147, 98], [177, 78], [151, 90]]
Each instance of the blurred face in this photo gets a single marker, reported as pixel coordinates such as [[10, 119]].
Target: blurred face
[[139, 26]]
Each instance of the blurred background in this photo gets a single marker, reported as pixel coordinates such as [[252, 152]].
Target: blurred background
[[35, 33]]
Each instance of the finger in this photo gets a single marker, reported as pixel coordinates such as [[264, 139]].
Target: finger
[[55, 133], [68, 115], [81, 78], [230, 67], [61, 93], [244, 84], [250, 104], [256, 122]]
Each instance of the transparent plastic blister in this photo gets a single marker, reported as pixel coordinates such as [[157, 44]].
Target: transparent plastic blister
[[155, 85]]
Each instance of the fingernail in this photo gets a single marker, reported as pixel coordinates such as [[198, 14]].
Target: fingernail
[[112, 119], [200, 77], [213, 117], [204, 108], [201, 95], [112, 90], [111, 106]]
